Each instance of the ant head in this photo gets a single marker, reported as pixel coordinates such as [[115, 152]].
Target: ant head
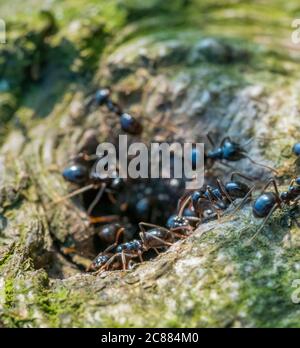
[[232, 151], [76, 174], [284, 196], [101, 96]]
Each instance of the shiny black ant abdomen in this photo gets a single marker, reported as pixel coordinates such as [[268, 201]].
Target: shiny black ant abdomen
[[76, 174], [265, 204], [130, 124], [296, 149]]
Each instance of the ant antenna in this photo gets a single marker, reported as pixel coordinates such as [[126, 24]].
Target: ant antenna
[[260, 164], [262, 225], [233, 174], [73, 194], [260, 138], [96, 199], [184, 204]]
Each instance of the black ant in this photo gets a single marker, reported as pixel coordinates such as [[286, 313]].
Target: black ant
[[79, 170], [268, 202], [228, 151], [76, 173], [208, 201], [155, 238], [128, 123]]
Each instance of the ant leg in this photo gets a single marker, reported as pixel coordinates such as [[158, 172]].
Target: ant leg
[[84, 156], [243, 201], [192, 218], [103, 219], [225, 139], [263, 223], [184, 204], [224, 191], [142, 224], [241, 175], [73, 194], [112, 198], [292, 183], [156, 250], [106, 265], [123, 260], [210, 198], [210, 139], [119, 233], [96, 199], [259, 138], [179, 235], [249, 141], [182, 199], [260, 164], [180, 228], [273, 182], [161, 240], [226, 165], [140, 256]]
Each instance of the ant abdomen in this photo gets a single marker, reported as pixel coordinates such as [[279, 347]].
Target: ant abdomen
[[236, 189], [76, 174], [263, 204]]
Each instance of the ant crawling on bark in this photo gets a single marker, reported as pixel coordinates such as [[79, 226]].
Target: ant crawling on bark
[[155, 238], [209, 201], [129, 124], [265, 204], [227, 151]]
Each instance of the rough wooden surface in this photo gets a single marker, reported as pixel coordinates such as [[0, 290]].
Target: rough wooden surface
[[232, 70]]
